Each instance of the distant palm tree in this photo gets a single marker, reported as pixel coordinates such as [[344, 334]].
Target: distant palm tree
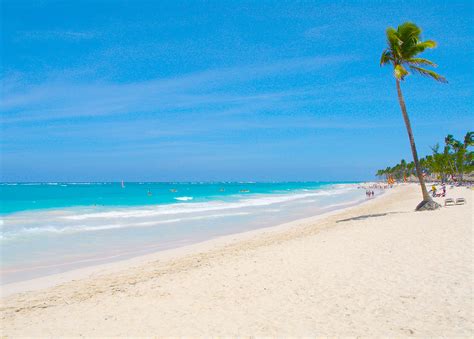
[[380, 173], [469, 139], [461, 157], [403, 168], [410, 169], [404, 44]]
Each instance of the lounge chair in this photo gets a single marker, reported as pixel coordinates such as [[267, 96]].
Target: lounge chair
[[449, 201], [460, 201]]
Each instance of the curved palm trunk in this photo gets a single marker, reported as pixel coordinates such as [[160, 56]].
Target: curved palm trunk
[[419, 174]]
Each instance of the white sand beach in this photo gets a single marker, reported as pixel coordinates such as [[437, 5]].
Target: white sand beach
[[374, 269]]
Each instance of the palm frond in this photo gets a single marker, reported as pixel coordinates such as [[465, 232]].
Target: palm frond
[[400, 72], [449, 139], [430, 43], [469, 139], [419, 48], [393, 40], [428, 73], [420, 61], [409, 34], [386, 57], [409, 31]]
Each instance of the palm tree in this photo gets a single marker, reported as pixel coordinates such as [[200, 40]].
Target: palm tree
[[469, 139], [403, 168], [410, 169], [440, 162], [404, 44], [469, 157], [388, 172], [380, 173], [461, 155]]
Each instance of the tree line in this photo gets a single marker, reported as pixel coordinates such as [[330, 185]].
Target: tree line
[[449, 162]]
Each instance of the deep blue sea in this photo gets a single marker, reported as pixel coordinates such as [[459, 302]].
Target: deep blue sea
[[49, 228]]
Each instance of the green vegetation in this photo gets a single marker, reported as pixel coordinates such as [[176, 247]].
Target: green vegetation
[[403, 46], [454, 160]]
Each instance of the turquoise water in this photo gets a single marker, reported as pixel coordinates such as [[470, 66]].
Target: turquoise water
[[16, 197], [55, 227]]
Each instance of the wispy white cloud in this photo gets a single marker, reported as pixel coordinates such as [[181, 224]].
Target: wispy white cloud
[[62, 98]]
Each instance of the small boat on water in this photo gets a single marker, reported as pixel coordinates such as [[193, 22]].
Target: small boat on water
[[123, 185], [149, 193], [173, 190], [244, 191], [222, 190]]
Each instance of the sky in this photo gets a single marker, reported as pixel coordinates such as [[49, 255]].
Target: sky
[[222, 90]]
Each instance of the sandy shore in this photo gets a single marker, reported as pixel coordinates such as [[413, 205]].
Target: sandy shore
[[376, 269]]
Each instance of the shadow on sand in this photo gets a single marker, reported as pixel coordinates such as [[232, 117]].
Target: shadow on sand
[[362, 217]]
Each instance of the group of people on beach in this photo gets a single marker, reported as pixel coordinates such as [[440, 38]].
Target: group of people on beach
[[380, 186], [369, 194], [434, 191], [375, 186]]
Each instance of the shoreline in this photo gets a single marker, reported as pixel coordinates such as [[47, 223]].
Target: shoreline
[[131, 260], [375, 269]]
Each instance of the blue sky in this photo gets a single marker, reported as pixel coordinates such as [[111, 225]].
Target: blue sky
[[222, 90]]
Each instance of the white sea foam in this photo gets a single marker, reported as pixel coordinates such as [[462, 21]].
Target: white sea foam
[[102, 227], [84, 183], [184, 198], [257, 200]]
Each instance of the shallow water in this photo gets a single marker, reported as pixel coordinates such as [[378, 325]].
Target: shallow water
[[43, 241], [15, 197]]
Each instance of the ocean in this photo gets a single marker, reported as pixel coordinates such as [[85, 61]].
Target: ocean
[[49, 228]]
